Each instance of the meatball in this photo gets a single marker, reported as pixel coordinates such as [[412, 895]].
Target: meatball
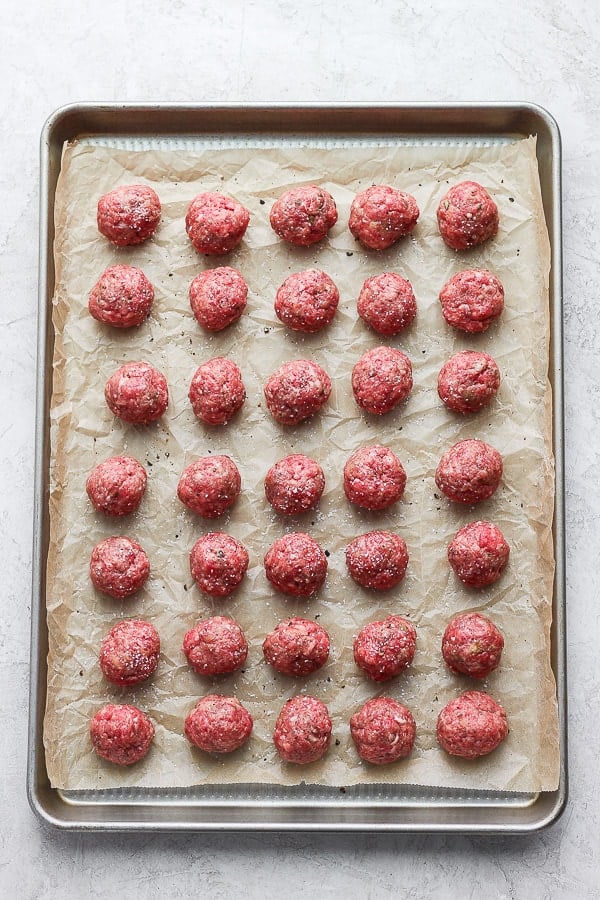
[[303, 215], [374, 478], [129, 652], [296, 391], [377, 559], [137, 393], [383, 731], [294, 484], [116, 486], [218, 724], [218, 563], [121, 297], [387, 303], [307, 301], [303, 730], [296, 565], [119, 567], [215, 646], [210, 485], [469, 472], [472, 645], [478, 554], [468, 381], [217, 391], [467, 216], [381, 379], [472, 725], [215, 224], [218, 297], [386, 648], [121, 734], [381, 215], [129, 214], [297, 647], [471, 300]]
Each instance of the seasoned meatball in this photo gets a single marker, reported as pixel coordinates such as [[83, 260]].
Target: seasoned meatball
[[467, 216], [217, 391], [297, 647], [307, 301], [294, 484], [296, 391], [121, 297], [137, 393], [129, 214], [383, 731], [387, 303], [381, 215], [129, 652], [121, 734], [119, 567], [296, 565], [218, 297], [374, 478], [386, 648], [472, 725], [468, 381], [218, 724], [210, 485], [478, 554], [469, 472], [471, 300], [303, 730], [116, 486], [218, 563], [215, 646], [215, 224], [303, 215], [377, 559], [472, 645], [381, 379]]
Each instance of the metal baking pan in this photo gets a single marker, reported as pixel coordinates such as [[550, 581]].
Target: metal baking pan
[[262, 807]]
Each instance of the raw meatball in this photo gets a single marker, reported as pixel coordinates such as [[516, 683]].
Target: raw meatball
[[209, 486], [472, 645], [218, 297], [215, 224], [374, 478], [383, 731], [386, 648], [218, 724], [137, 393], [472, 725], [129, 652], [307, 301], [377, 559], [294, 484], [121, 734], [218, 563], [217, 391], [119, 567], [381, 215], [296, 565], [303, 730], [381, 379], [468, 381], [129, 214], [122, 297], [467, 216], [296, 391], [297, 647], [469, 471], [471, 300], [478, 554], [303, 215], [116, 486], [215, 646], [387, 303]]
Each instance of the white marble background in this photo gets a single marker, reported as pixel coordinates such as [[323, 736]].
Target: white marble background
[[544, 51]]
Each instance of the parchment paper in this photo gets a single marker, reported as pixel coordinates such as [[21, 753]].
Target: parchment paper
[[84, 432]]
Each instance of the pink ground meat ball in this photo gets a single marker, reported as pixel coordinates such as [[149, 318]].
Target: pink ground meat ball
[[218, 563], [303, 215], [383, 731], [129, 214], [478, 554], [377, 560], [296, 391], [215, 224], [209, 486], [129, 653], [119, 567], [386, 648], [469, 381], [467, 216], [218, 724], [296, 565], [303, 730], [297, 647], [472, 725], [121, 734], [218, 297], [117, 485], [294, 484], [472, 645], [387, 303], [471, 300], [469, 472], [307, 301], [381, 379], [137, 393], [381, 215], [374, 478], [217, 391], [216, 646], [121, 297]]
